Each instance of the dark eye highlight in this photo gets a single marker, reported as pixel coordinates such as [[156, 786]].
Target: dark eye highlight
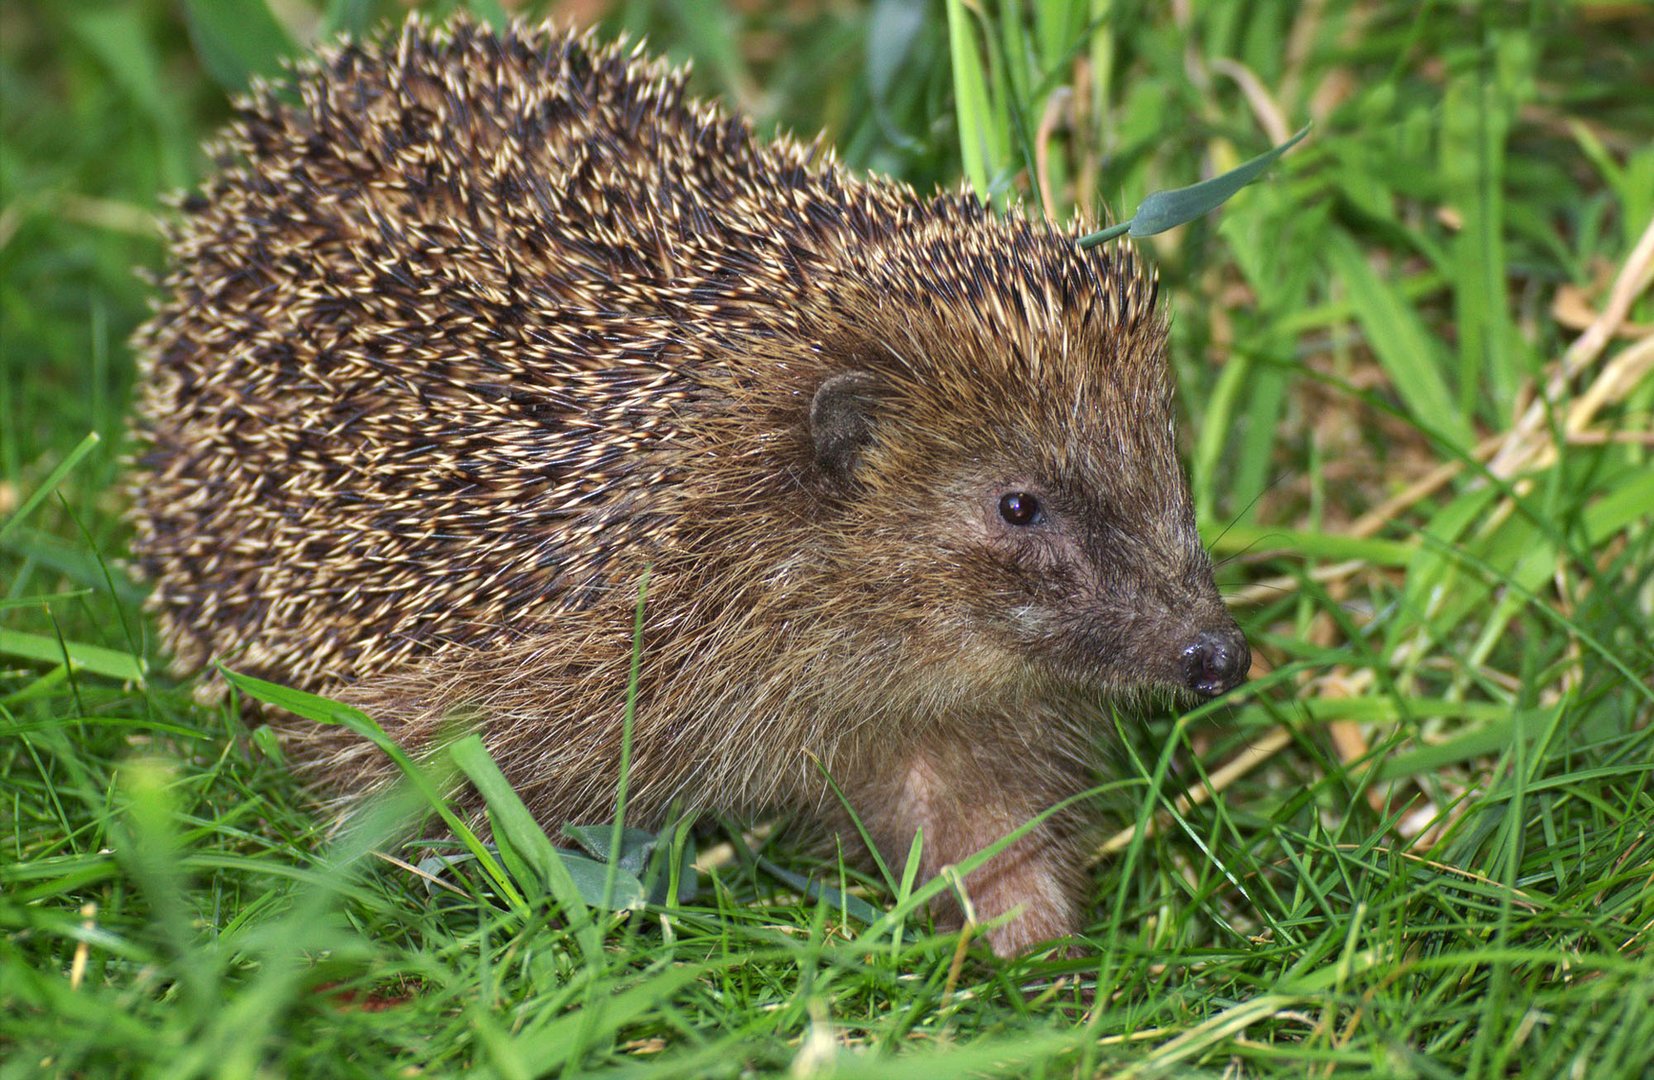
[[1020, 508]]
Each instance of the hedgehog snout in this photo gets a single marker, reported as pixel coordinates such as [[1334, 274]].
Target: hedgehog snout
[[1216, 661]]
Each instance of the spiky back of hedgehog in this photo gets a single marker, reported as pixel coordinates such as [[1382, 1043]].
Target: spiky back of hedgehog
[[476, 328]]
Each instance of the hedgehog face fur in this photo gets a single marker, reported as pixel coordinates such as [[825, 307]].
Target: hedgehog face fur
[[459, 343], [1075, 559]]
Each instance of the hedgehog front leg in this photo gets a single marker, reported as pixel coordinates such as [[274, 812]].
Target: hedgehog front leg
[[964, 799]]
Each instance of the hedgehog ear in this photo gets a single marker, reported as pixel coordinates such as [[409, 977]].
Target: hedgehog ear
[[842, 417]]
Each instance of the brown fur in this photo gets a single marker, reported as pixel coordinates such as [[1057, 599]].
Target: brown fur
[[455, 349]]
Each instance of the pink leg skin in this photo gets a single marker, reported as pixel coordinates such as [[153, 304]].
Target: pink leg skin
[[965, 801]]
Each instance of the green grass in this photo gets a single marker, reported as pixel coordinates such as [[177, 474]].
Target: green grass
[[1422, 844]]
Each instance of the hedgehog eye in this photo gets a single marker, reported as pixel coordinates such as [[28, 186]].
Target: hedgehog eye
[[1021, 509]]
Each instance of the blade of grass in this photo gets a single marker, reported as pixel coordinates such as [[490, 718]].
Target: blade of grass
[[49, 485]]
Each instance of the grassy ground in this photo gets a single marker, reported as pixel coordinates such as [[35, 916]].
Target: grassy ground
[[1415, 370]]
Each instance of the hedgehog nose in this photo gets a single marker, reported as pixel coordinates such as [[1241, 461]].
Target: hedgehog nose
[[1216, 661]]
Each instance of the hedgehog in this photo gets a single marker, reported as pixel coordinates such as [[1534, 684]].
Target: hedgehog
[[470, 330]]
